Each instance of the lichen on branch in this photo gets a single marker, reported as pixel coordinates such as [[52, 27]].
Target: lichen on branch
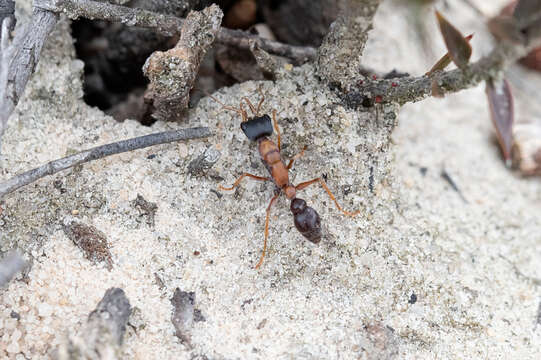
[[339, 56], [172, 73]]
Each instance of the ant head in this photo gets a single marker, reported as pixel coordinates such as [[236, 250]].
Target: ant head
[[257, 127]]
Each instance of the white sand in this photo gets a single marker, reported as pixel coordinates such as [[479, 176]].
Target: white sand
[[472, 264]]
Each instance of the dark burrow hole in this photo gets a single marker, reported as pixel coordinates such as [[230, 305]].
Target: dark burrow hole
[[114, 54]]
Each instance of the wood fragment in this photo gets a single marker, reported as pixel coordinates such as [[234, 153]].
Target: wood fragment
[[102, 335], [7, 10], [182, 316], [172, 73], [169, 25], [99, 152], [339, 56], [19, 60], [10, 265], [204, 162], [146, 208]]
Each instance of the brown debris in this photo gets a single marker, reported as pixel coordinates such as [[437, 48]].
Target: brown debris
[[101, 336], [527, 147], [241, 15], [382, 342], [183, 316], [204, 162], [90, 240], [146, 208], [173, 73]]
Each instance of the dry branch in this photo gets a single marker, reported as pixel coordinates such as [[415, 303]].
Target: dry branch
[[102, 334], [10, 265], [100, 152], [172, 73], [339, 57], [19, 60], [7, 9], [412, 89], [169, 25]]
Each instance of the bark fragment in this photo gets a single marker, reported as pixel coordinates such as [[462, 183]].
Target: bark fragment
[[172, 73], [339, 57], [101, 337]]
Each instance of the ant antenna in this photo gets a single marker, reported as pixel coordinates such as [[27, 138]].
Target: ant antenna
[[239, 110]]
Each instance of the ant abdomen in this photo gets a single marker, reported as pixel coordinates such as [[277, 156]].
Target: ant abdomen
[[306, 220]]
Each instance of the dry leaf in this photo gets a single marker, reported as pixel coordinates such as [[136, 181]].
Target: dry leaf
[[500, 101], [445, 60], [459, 48]]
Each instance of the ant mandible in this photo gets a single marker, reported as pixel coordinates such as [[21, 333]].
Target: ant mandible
[[258, 129]]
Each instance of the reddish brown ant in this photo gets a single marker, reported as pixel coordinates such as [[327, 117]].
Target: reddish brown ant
[[259, 128]]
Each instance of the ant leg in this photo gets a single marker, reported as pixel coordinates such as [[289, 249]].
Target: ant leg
[[249, 104], [276, 129], [260, 101], [255, 177], [240, 110], [266, 231], [290, 164], [324, 185]]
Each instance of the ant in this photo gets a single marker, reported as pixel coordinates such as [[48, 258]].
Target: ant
[[258, 129]]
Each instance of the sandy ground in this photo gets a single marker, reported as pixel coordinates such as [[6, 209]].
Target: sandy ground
[[425, 272]]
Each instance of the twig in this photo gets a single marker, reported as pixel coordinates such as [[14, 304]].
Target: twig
[[7, 10], [11, 264], [413, 89], [339, 57], [169, 25], [172, 73], [19, 60], [100, 152], [445, 176]]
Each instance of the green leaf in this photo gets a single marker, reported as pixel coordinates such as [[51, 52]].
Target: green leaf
[[459, 48]]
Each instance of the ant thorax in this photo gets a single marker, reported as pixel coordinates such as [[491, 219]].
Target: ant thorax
[[257, 127]]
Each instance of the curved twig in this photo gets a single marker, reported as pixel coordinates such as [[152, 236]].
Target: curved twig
[[412, 89], [99, 152]]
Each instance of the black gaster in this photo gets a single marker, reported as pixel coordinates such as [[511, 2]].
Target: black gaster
[[257, 127], [306, 220]]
